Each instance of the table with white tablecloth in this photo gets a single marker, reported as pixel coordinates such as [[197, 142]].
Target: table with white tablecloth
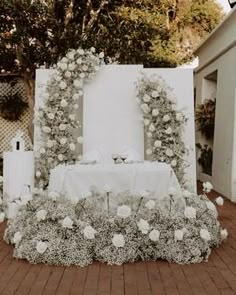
[[73, 181]]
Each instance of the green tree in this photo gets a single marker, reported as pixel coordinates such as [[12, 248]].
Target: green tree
[[156, 33]]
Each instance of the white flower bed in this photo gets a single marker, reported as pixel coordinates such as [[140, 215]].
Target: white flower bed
[[52, 230]]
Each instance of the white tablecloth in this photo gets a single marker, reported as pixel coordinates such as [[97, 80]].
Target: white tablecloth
[[18, 173], [73, 181]]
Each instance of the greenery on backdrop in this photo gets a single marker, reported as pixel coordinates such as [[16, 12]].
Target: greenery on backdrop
[[205, 118], [153, 33]]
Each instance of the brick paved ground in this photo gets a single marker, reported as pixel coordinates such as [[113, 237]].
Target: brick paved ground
[[218, 276]]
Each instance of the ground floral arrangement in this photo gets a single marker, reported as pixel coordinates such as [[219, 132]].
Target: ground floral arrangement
[[164, 124], [51, 229]]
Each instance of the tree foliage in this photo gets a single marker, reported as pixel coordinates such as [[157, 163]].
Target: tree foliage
[[151, 32]]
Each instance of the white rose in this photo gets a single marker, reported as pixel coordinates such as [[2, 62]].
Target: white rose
[[210, 206], [107, 188], [50, 143], [41, 215], [71, 55], [75, 96], [145, 108], [63, 103], [179, 235], [190, 212], [42, 151], [72, 146], [85, 68], [149, 134], [166, 118], [17, 237], [62, 127], [143, 226], [26, 198], [89, 232], [154, 235], [219, 201], [150, 204], [207, 187], [80, 51], [62, 66], [92, 49], [1, 179], [78, 83], [155, 94], [79, 61], [101, 55], [123, 211], [46, 129], [41, 247], [63, 141], [53, 195], [146, 98], [146, 122], [38, 174], [151, 128], [2, 216], [172, 191], [67, 222], [80, 139], [60, 157], [72, 117], [82, 75], [179, 117], [57, 77], [148, 152], [186, 194], [71, 66], [118, 240], [168, 130], [158, 143], [173, 163], [64, 60], [169, 153], [155, 112], [62, 85], [205, 235], [67, 74], [51, 116], [224, 234]]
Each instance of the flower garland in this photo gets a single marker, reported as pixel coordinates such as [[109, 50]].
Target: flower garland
[[57, 119], [52, 230], [163, 123]]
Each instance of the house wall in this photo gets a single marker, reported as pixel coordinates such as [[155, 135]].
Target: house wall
[[224, 145]]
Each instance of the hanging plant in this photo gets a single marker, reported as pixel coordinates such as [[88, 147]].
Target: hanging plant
[[12, 106], [205, 160], [205, 118]]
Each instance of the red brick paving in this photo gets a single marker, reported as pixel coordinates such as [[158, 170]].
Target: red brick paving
[[217, 276]]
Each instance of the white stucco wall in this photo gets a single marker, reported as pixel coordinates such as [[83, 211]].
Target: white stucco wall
[[219, 53]]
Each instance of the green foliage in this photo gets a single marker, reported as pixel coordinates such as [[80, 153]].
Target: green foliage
[[205, 160], [154, 33], [205, 118]]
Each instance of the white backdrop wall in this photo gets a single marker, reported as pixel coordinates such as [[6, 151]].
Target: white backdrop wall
[[111, 117]]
